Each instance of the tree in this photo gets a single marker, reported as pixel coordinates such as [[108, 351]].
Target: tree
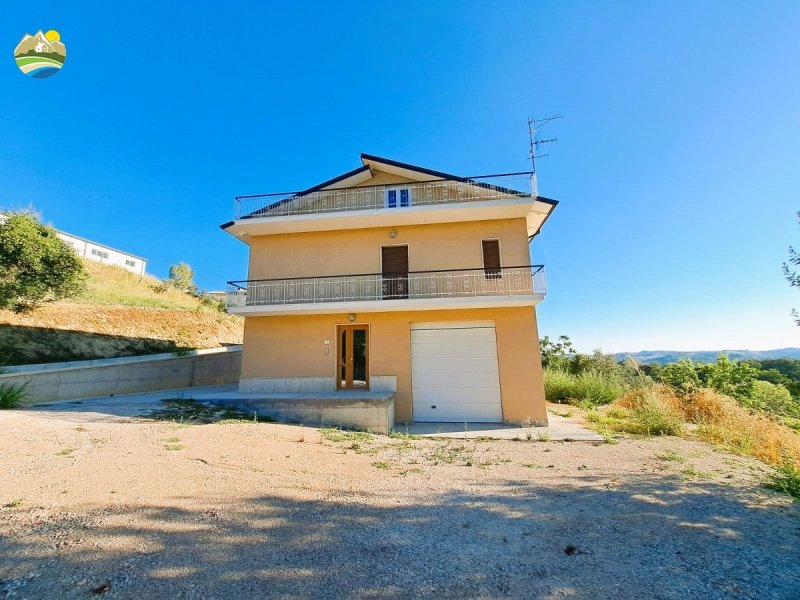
[[36, 266], [772, 398], [556, 354], [736, 379], [792, 276], [181, 276], [680, 375]]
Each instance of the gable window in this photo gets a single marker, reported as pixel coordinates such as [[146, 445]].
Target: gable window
[[398, 197], [491, 259]]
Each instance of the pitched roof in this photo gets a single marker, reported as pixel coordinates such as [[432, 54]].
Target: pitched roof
[[364, 172]]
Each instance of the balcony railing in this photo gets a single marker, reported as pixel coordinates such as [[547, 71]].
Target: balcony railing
[[507, 281], [403, 195]]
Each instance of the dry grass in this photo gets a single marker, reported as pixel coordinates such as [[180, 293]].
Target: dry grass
[[722, 421], [113, 286], [120, 314]]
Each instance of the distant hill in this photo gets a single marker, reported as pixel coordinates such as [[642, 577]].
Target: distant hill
[[664, 357], [119, 314]]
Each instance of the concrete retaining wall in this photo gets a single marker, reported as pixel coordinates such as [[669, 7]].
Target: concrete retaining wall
[[106, 377], [365, 411]]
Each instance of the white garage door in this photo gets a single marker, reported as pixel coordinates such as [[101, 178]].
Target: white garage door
[[454, 373]]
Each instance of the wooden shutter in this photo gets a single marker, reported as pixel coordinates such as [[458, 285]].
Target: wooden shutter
[[394, 260], [491, 258]]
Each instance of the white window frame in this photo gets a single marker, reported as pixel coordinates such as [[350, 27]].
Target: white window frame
[[398, 189]]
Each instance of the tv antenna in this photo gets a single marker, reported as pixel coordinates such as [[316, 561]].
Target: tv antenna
[[534, 125]]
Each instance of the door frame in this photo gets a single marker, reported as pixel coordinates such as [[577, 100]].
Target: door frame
[[339, 327]]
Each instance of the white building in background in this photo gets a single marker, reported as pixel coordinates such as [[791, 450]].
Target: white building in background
[[100, 252]]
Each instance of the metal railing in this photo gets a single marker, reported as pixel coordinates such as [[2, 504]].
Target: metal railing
[[507, 281], [401, 195]]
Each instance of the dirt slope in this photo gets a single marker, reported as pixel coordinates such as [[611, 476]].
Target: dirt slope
[[120, 314]]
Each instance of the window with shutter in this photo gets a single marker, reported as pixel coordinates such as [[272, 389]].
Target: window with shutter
[[394, 265], [491, 259]]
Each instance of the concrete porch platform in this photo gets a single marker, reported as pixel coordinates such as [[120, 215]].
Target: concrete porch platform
[[352, 409], [559, 429]]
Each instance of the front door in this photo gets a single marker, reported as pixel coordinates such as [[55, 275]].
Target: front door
[[353, 357], [394, 268]]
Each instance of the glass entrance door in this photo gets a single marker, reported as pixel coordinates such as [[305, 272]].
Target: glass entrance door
[[353, 357]]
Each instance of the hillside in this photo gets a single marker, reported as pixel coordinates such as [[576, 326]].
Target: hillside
[[664, 357], [119, 314]]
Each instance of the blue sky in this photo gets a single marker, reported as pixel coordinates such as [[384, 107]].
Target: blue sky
[[677, 165]]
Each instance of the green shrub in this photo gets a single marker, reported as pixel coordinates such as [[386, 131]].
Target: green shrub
[[589, 387], [731, 378], [681, 375], [12, 396], [36, 266], [656, 418], [181, 276], [786, 479], [772, 398]]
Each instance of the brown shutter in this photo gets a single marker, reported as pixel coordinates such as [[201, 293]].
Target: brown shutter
[[491, 258], [394, 260], [394, 263]]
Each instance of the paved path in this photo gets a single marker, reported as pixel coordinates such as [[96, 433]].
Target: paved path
[[113, 408]]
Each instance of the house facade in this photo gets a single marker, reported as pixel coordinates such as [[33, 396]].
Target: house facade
[[105, 254], [397, 278]]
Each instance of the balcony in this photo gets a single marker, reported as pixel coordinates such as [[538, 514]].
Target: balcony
[[376, 292], [374, 197]]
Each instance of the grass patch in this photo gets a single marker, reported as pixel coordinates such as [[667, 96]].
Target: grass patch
[[379, 464], [360, 448], [590, 387], [671, 456], [399, 435], [111, 285], [174, 447], [492, 462], [12, 396], [342, 435], [188, 410], [411, 471], [786, 479], [13, 504], [564, 413], [691, 472], [639, 412], [65, 451], [450, 454]]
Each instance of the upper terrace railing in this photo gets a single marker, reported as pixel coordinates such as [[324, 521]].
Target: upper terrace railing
[[507, 281], [401, 195]]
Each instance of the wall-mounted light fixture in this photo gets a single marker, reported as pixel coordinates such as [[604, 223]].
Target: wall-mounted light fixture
[[351, 317], [393, 233]]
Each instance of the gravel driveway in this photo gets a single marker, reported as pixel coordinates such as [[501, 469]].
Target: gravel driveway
[[128, 508]]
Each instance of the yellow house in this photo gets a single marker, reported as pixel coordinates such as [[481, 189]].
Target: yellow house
[[393, 289]]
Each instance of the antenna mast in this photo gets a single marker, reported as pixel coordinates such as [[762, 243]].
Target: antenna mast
[[533, 126]]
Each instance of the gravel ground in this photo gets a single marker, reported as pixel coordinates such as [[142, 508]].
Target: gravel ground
[[125, 508]]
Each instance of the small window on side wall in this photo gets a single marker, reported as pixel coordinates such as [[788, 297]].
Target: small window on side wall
[[491, 259]]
